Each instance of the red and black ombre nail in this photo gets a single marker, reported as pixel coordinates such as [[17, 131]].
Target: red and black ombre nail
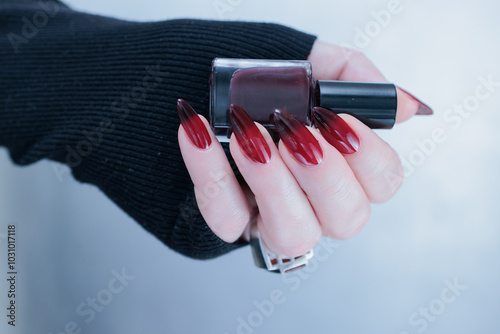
[[298, 139], [250, 139], [196, 130], [335, 130], [423, 109]]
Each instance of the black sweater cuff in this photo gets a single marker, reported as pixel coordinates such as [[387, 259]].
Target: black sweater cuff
[[99, 94]]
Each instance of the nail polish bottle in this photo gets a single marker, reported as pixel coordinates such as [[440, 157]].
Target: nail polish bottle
[[262, 86]]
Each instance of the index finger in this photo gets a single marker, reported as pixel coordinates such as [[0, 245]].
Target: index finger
[[332, 62], [219, 196]]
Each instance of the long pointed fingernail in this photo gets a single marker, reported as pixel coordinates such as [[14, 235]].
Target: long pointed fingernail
[[298, 139], [196, 130], [249, 137], [336, 131], [423, 109]]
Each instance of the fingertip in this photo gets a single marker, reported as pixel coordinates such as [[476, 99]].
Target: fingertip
[[376, 165], [337, 132], [409, 105], [267, 136], [195, 126], [359, 128]]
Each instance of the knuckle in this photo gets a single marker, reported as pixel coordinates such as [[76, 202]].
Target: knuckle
[[339, 191], [283, 189], [233, 231], [388, 174], [356, 54], [294, 245], [339, 188], [356, 57], [396, 179], [351, 224], [359, 220], [380, 163], [219, 181]]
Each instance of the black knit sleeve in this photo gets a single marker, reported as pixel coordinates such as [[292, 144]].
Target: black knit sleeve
[[99, 95]]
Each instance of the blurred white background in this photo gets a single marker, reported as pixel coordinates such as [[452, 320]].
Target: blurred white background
[[441, 229]]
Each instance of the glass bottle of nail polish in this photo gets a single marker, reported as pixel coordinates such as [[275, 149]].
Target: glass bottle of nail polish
[[261, 86]]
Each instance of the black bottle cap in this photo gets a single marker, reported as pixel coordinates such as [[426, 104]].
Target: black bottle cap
[[374, 104]]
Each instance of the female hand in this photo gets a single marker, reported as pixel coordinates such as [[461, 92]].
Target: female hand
[[295, 195]]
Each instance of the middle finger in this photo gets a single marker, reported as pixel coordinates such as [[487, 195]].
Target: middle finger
[[337, 197], [288, 224]]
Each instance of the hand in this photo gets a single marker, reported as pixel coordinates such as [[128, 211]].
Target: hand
[[292, 196]]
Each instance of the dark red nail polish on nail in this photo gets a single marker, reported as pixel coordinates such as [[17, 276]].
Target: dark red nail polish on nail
[[423, 109], [336, 131], [249, 137], [193, 125], [298, 139]]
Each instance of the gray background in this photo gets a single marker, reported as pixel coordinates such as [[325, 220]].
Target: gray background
[[442, 225]]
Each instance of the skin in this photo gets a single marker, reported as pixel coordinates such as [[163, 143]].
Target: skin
[[291, 205]]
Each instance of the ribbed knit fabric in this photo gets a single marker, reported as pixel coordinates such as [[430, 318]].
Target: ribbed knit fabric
[[99, 94]]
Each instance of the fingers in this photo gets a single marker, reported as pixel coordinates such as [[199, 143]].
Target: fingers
[[331, 187], [218, 194], [331, 62], [287, 223], [315, 183], [374, 163], [407, 104]]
